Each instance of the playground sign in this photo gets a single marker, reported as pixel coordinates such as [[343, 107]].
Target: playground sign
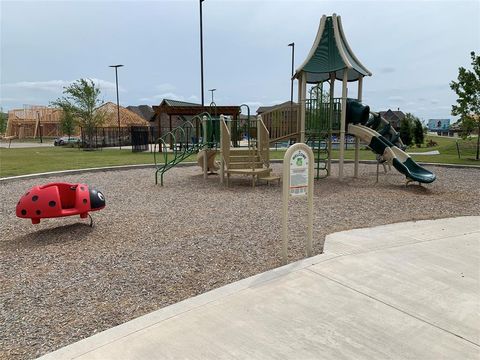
[[298, 182], [298, 173]]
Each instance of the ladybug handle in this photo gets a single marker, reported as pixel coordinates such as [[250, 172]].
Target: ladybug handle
[[57, 184]]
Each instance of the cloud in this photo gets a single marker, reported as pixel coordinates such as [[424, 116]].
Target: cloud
[[434, 101], [165, 87], [57, 85], [396, 98], [386, 70], [168, 95]]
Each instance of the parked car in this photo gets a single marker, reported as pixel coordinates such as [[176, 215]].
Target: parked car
[[66, 140]]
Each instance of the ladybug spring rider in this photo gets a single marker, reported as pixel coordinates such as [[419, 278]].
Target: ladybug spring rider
[[59, 199]]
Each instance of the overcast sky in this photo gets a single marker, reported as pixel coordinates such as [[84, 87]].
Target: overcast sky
[[413, 49]]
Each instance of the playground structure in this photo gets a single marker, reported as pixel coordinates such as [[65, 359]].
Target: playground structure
[[315, 121], [322, 116], [207, 135]]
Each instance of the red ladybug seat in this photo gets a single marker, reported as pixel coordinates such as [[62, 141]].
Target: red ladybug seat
[[55, 200]]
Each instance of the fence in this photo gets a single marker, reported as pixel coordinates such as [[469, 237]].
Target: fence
[[106, 137]]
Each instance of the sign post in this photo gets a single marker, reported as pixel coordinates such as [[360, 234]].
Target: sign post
[[297, 182]]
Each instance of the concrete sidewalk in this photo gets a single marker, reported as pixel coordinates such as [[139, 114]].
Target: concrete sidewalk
[[402, 291]]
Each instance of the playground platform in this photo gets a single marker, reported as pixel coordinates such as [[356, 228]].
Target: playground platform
[[402, 291]]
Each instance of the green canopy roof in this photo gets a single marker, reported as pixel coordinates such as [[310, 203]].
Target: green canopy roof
[[331, 53]]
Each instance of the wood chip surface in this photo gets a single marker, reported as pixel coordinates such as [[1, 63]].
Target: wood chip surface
[[152, 246]]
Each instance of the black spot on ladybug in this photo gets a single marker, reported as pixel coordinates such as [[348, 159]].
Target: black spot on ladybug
[[84, 201], [38, 212], [24, 212], [82, 188], [52, 203], [34, 198]]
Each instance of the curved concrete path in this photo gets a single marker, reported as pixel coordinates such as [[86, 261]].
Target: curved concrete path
[[401, 291]]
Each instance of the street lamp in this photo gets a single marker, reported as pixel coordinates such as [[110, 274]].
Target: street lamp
[[201, 52], [118, 103], [291, 82], [212, 90]]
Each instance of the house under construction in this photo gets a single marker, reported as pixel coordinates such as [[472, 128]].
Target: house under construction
[[33, 121]]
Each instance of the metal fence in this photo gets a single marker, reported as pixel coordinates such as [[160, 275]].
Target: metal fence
[[101, 137]]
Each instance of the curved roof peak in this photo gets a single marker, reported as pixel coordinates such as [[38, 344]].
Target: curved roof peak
[[331, 53]]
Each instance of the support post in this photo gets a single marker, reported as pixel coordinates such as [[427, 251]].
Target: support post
[[357, 140], [342, 125], [222, 161], [299, 100], [330, 115], [302, 90], [205, 148]]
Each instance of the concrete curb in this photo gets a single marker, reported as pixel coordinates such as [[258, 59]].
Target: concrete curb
[[189, 163]]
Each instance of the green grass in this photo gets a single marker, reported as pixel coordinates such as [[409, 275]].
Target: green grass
[[448, 151], [33, 160], [42, 159]]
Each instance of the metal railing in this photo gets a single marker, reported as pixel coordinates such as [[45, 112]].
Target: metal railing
[[181, 144], [321, 116]]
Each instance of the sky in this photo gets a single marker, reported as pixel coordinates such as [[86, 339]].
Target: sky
[[412, 48]]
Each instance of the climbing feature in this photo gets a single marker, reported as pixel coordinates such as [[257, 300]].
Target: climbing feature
[[184, 141], [321, 154]]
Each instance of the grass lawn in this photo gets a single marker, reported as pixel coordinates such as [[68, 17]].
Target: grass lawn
[[33, 160]]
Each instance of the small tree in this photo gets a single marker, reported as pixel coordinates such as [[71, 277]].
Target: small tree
[[418, 135], [467, 88], [3, 121], [406, 125], [81, 100], [67, 123]]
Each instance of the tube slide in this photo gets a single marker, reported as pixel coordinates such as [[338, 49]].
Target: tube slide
[[392, 153]]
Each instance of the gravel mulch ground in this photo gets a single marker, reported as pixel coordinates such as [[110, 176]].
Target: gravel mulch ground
[[61, 281]]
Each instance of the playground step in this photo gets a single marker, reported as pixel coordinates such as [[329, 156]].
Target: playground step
[[242, 151], [244, 158], [246, 164], [249, 171]]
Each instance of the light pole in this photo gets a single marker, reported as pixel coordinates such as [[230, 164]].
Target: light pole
[[201, 51], [118, 103], [291, 82], [212, 90]]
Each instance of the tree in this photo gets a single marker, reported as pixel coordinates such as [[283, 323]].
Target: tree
[[81, 100], [418, 135], [406, 126], [67, 123], [467, 88], [3, 121]]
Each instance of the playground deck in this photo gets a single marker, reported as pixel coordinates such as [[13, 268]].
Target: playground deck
[[153, 246]]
